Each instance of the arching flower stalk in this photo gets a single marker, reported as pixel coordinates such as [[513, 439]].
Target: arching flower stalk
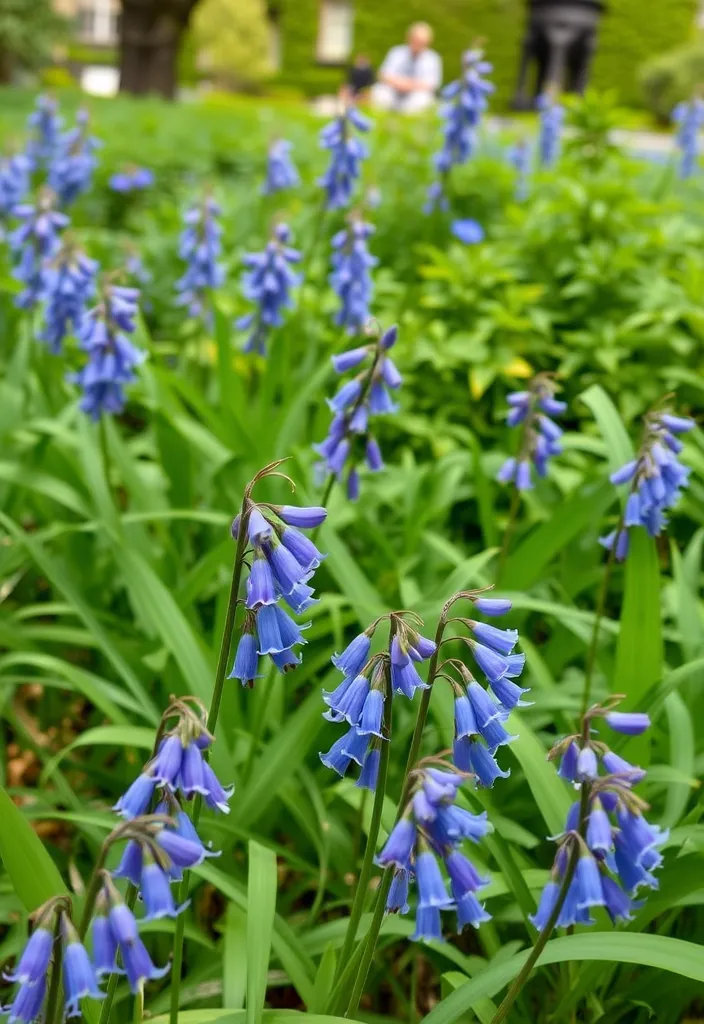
[[268, 281], [346, 155], [351, 277], [200, 247]]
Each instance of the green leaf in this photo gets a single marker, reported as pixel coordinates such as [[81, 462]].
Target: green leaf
[[618, 444], [261, 908], [324, 978], [234, 961], [103, 735], [639, 651], [659, 951], [549, 792], [34, 875]]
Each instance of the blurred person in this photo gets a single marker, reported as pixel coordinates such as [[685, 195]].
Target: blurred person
[[410, 75], [360, 78]]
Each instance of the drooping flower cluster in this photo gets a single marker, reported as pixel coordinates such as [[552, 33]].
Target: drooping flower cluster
[[540, 436], [114, 930], [357, 400], [616, 848], [73, 162], [479, 716], [267, 281], [519, 156], [53, 932], [351, 279], [689, 118], [199, 247], [283, 561], [14, 183], [69, 281], [346, 154], [45, 126], [281, 171], [465, 103], [433, 826], [112, 358], [131, 179], [367, 684], [656, 478], [552, 116], [33, 243]]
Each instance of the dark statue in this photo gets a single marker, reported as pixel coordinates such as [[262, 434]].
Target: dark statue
[[559, 40]]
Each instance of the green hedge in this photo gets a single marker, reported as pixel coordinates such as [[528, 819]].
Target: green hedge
[[631, 32], [672, 77]]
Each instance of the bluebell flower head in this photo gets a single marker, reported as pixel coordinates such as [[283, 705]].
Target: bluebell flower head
[[347, 151], [200, 246], [131, 179], [33, 243], [78, 972], [155, 886], [27, 1004], [656, 479], [281, 171], [45, 126], [467, 231], [34, 961], [112, 358], [520, 158], [67, 285], [123, 930], [540, 435], [104, 941], [370, 770], [246, 663], [14, 183], [689, 119], [351, 278], [397, 900], [366, 395], [552, 116], [268, 281], [74, 161]]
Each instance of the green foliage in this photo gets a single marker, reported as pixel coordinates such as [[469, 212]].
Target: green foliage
[[231, 38], [28, 29], [672, 77], [115, 561]]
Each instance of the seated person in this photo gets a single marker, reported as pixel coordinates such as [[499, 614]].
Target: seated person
[[360, 78], [410, 75]]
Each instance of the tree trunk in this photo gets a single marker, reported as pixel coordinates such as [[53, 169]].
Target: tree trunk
[[151, 32]]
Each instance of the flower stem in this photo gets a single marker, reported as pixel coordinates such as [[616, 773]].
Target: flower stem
[[259, 714], [373, 835], [598, 616], [92, 891], [52, 1003], [387, 877], [508, 532], [545, 934], [138, 1015], [213, 713]]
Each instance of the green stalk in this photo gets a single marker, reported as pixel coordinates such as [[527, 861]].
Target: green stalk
[[599, 614], [370, 849], [138, 1015], [53, 1008], [545, 934], [93, 890], [256, 734], [213, 713]]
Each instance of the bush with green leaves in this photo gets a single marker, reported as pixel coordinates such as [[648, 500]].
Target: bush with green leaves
[[121, 569]]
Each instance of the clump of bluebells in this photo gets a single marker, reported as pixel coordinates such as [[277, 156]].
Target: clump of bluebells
[[32, 243], [74, 161], [68, 284], [465, 102], [552, 116], [608, 851], [282, 563], [131, 179], [200, 246], [368, 685], [112, 358], [540, 435], [351, 278], [359, 399], [689, 118], [656, 479], [281, 172], [44, 124], [346, 154], [267, 281], [432, 828]]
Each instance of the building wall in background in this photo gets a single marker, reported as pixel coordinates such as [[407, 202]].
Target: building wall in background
[[630, 33]]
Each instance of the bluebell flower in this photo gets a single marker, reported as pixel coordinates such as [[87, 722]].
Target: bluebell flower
[[552, 116], [467, 231], [27, 1003], [45, 126], [123, 930], [73, 163], [112, 358], [78, 973], [631, 723], [304, 518], [32, 243], [540, 435], [689, 118], [464, 103], [655, 478], [130, 866], [346, 154], [520, 156], [131, 179], [155, 887], [136, 800], [268, 281], [68, 283], [14, 183], [200, 247], [281, 171], [397, 900], [351, 279], [349, 436], [104, 941], [34, 961]]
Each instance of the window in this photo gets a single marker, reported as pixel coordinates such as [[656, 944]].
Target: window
[[86, 22], [334, 31]]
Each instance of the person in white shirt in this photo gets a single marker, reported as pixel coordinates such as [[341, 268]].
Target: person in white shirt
[[410, 75]]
